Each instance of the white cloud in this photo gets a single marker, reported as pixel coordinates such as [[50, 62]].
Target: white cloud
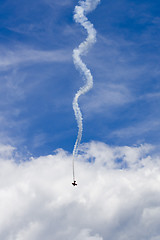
[[85, 234], [60, 3], [10, 58], [138, 129], [112, 200], [106, 96]]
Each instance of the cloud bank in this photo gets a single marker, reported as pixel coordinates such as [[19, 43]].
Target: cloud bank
[[117, 196]]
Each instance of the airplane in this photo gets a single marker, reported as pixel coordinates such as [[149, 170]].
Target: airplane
[[74, 183]]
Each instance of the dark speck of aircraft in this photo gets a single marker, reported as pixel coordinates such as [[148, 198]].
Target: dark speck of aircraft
[[74, 183]]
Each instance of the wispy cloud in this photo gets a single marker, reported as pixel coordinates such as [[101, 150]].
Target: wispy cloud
[[104, 97], [19, 56], [138, 129], [57, 2]]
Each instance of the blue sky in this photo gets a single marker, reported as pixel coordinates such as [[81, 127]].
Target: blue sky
[[39, 80], [118, 167]]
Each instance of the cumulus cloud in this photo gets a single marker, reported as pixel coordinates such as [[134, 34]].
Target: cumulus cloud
[[117, 196]]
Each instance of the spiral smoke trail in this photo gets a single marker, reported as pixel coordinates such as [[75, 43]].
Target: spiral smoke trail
[[80, 11]]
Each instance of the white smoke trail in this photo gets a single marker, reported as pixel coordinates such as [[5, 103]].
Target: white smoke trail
[[79, 16]]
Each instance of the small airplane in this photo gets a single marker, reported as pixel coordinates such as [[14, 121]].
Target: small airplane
[[74, 183]]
